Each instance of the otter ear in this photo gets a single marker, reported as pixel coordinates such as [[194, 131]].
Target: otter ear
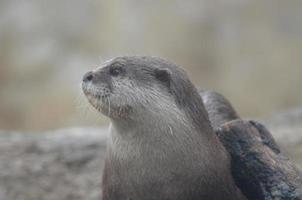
[[163, 74]]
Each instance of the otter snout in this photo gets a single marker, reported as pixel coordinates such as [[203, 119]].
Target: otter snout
[[97, 77], [88, 77], [96, 83]]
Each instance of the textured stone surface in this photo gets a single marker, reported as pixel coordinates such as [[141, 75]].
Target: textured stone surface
[[64, 164], [259, 169]]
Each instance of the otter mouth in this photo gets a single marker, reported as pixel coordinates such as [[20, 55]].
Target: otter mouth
[[98, 96]]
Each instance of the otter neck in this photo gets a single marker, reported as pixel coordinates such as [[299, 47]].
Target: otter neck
[[158, 124]]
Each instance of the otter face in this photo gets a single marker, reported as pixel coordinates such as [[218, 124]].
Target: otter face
[[128, 85]]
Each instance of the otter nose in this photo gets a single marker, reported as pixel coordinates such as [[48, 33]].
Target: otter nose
[[88, 77]]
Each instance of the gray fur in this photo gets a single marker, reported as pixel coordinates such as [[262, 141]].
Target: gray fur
[[162, 145], [218, 107]]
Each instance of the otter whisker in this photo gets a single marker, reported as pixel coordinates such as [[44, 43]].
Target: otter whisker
[[108, 106], [120, 110], [171, 131], [82, 107]]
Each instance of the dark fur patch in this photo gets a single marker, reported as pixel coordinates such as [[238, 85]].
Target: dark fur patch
[[163, 74]]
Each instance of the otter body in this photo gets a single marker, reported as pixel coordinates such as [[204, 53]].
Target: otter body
[[165, 164], [219, 109], [161, 145]]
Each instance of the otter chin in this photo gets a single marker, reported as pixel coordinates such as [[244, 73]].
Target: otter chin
[[162, 144], [98, 92]]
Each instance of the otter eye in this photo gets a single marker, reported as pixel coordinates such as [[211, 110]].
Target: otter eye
[[163, 74], [115, 71]]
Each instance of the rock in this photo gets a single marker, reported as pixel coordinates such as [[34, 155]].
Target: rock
[[64, 164], [287, 130], [287, 127], [259, 168]]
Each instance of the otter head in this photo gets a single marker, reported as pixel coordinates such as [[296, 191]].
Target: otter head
[[131, 88]]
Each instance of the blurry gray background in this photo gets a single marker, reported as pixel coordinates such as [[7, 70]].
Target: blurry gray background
[[248, 50]]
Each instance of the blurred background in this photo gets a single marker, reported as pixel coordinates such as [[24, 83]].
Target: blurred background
[[248, 50]]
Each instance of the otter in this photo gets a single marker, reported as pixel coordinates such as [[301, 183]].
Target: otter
[[162, 144], [219, 109]]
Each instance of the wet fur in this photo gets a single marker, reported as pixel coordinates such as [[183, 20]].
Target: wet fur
[[163, 146], [219, 109]]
